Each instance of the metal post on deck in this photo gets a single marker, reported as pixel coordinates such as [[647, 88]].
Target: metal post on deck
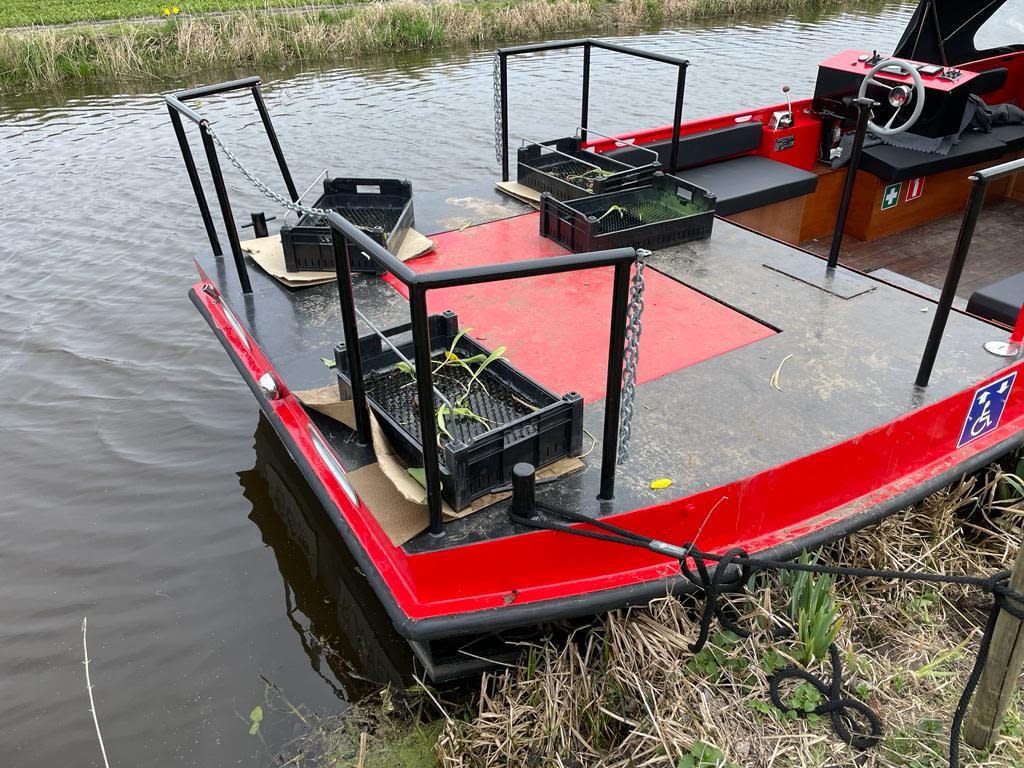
[[677, 118], [193, 177], [346, 299], [425, 398], [585, 112], [613, 388], [274, 143], [956, 268], [503, 71], [225, 206], [864, 107]]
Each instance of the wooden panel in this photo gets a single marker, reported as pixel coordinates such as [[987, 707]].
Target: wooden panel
[[779, 220], [944, 193], [822, 205]]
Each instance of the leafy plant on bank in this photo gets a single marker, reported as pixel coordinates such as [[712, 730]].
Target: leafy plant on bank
[[812, 610]]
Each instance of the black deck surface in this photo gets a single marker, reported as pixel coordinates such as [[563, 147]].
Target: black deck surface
[[851, 369]]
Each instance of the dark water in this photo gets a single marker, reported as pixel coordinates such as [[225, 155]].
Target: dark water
[[137, 486]]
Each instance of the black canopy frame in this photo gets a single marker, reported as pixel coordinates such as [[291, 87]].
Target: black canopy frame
[[943, 32]]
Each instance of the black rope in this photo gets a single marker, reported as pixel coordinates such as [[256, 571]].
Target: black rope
[[852, 720]]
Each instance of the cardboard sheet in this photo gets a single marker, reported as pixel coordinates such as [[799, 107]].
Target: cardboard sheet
[[396, 500], [519, 192], [269, 255]]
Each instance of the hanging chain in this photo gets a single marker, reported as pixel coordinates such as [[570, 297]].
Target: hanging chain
[[258, 183], [497, 107], [634, 313], [634, 326]]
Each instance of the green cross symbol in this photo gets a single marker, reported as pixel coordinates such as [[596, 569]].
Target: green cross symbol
[[891, 196]]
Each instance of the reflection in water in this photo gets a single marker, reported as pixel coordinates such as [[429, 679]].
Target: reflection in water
[[342, 627]]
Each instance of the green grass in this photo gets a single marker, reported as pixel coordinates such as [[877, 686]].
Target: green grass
[[257, 36], [23, 13]]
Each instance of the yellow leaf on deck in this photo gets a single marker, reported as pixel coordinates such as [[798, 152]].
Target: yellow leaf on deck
[[660, 483]]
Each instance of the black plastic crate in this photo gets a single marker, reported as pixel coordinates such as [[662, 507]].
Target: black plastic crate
[[664, 212], [382, 208], [526, 421], [565, 170]]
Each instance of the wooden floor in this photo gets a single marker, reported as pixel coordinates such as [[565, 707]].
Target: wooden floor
[[923, 253]]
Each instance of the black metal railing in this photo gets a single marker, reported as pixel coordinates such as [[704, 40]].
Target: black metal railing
[[980, 181], [346, 235], [587, 45], [177, 109]]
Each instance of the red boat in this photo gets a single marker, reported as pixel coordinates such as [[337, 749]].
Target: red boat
[[699, 375]]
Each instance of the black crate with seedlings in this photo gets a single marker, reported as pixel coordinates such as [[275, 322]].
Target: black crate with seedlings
[[566, 170], [382, 208], [489, 415], [663, 212]]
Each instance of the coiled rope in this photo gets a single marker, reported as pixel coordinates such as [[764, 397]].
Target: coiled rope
[[852, 720]]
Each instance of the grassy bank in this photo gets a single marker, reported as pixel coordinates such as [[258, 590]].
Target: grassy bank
[[631, 693], [47, 57], [24, 13]]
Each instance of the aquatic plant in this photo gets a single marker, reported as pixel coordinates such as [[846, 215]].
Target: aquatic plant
[[474, 365]]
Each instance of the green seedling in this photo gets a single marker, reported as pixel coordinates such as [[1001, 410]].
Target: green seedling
[[812, 609], [474, 365], [619, 210]]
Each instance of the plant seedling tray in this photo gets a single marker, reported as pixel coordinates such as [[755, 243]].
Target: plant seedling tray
[[666, 211], [380, 207], [526, 422], [565, 170]]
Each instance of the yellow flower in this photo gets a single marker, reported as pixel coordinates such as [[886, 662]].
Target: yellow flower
[[175, 10], [167, 11]]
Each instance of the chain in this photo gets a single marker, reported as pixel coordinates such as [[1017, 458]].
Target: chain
[[497, 107], [634, 326], [634, 314], [258, 183]]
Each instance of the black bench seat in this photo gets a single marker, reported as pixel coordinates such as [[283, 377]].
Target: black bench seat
[[1000, 301], [1011, 135], [745, 183], [716, 161], [899, 164]]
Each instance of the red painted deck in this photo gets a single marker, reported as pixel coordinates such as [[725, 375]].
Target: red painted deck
[[557, 331]]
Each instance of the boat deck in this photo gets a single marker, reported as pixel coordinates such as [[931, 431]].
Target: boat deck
[[923, 253], [722, 316]]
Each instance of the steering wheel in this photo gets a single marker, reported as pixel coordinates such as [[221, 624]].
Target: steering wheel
[[899, 96]]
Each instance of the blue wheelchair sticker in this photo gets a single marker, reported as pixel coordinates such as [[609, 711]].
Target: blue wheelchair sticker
[[986, 409]]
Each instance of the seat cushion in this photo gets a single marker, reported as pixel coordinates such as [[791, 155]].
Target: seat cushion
[[744, 183], [899, 164], [1011, 135], [1000, 301], [697, 148]]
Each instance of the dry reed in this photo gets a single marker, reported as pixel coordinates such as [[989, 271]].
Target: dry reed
[[630, 693]]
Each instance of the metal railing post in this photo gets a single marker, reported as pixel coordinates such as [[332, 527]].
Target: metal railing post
[[274, 143], [347, 302], [225, 206], [613, 387], [863, 115], [425, 398], [503, 69], [193, 177], [585, 111], [956, 268], [677, 118]]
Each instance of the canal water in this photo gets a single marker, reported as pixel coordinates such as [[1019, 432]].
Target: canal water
[[138, 485]]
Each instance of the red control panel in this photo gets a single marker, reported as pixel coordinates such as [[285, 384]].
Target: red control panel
[[935, 77]]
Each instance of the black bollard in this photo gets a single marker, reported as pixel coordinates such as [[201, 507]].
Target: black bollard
[[524, 485]]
